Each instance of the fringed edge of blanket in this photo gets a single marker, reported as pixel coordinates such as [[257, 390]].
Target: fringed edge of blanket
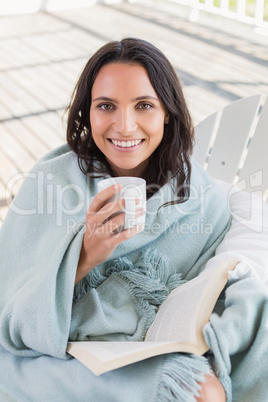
[[180, 377], [149, 277], [151, 265]]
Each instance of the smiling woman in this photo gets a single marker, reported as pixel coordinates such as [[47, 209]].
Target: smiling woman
[[129, 113], [101, 281]]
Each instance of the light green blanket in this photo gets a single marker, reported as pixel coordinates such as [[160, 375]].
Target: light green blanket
[[238, 337], [40, 310]]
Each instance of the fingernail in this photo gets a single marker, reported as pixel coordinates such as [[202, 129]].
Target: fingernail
[[140, 227], [140, 210]]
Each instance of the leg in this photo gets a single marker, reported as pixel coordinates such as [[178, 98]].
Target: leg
[[211, 390]]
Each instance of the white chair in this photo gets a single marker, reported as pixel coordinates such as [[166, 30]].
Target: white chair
[[232, 144]]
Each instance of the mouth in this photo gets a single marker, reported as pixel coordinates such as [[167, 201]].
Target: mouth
[[126, 144]]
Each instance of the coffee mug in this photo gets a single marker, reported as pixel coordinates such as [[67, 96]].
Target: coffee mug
[[132, 188]]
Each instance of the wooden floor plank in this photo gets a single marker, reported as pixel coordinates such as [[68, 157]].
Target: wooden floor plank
[[45, 135], [20, 157], [55, 122], [5, 200], [8, 169], [13, 104], [30, 140], [21, 93]]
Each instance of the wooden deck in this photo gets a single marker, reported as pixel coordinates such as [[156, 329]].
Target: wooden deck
[[42, 55]]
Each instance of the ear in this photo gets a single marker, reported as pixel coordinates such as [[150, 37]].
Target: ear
[[166, 118]]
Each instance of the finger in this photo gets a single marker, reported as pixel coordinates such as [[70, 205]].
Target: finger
[[117, 221], [103, 196], [119, 237], [112, 209]]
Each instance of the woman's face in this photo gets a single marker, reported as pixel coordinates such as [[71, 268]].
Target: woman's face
[[127, 119]]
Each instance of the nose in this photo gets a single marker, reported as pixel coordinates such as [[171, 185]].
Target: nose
[[125, 122]]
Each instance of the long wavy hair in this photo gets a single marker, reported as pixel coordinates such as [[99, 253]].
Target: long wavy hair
[[171, 159]]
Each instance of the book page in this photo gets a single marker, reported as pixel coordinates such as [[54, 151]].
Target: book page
[[105, 351], [175, 320], [100, 357], [187, 309]]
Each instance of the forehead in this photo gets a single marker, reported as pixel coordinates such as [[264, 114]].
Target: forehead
[[123, 76]]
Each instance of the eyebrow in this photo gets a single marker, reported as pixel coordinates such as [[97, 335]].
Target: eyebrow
[[105, 98]]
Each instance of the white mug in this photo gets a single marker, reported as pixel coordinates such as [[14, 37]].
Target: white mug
[[132, 188]]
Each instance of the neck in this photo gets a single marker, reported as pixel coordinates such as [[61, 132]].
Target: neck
[[138, 171]]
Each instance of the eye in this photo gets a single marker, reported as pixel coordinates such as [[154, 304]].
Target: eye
[[144, 105], [106, 106]]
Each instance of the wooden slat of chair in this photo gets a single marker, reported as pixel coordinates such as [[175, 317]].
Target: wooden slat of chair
[[231, 138], [255, 167], [204, 135]]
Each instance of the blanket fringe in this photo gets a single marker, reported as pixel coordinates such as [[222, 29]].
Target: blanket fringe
[[149, 276], [181, 376], [151, 265]]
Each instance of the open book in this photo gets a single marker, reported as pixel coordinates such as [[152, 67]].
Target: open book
[[178, 325]]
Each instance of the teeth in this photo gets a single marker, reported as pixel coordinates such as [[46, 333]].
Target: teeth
[[126, 144]]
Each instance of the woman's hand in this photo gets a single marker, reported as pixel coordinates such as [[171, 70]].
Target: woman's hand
[[102, 230]]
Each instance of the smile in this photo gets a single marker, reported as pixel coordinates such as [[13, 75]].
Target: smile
[[126, 144]]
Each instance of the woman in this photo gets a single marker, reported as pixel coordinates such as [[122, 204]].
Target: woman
[[129, 101], [127, 117]]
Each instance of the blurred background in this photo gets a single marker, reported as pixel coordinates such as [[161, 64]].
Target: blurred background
[[219, 49]]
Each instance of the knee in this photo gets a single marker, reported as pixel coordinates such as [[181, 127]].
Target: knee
[[211, 390]]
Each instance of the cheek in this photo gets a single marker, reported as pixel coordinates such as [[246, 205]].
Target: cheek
[[99, 121], [95, 122], [155, 127]]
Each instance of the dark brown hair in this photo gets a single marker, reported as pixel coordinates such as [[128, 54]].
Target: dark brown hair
[[172, 157]]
